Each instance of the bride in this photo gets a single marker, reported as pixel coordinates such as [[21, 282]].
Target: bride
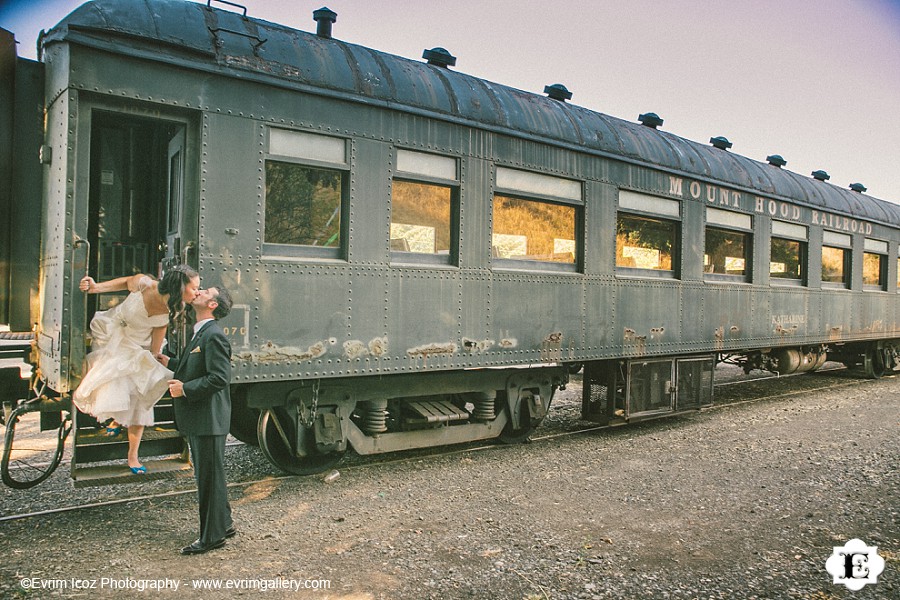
[[124, 380]]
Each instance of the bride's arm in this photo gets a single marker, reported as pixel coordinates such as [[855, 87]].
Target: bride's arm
[[130, 283], [157, 335]]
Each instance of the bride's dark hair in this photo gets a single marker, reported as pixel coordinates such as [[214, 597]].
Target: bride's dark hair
[[173, 283]]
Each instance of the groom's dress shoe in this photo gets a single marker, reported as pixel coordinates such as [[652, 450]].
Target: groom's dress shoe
[[198, 548]]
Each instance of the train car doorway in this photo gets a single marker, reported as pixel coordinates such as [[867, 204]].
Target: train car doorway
[[137, 197]]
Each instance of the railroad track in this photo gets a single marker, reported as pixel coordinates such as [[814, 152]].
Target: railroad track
[[357, 463]]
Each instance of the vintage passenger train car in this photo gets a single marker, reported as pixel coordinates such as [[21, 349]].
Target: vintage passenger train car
[[419, 257]]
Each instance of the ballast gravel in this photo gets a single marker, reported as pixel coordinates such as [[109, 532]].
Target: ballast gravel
[[745, 500]]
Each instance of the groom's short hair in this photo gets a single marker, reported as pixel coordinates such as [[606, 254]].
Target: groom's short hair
[[224, 301]]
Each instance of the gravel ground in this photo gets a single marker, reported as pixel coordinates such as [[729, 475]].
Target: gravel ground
[[743, 501]]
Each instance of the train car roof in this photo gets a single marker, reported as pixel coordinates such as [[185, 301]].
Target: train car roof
[[192, 34]]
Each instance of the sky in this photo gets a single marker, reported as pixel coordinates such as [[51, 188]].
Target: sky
[[816, 81]]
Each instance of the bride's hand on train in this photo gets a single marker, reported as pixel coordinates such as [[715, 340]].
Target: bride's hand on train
[[86, 284]]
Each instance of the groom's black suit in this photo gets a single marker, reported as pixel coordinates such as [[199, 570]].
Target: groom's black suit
[[203, 414]]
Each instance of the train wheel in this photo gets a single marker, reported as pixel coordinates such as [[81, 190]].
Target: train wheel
[[29, 457], [520, 435], [244, 419], [277, 433], [874, 363]]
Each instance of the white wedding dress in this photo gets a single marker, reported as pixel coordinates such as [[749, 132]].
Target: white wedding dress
[[123, 381]]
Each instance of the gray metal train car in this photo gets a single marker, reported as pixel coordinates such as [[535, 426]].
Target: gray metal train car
[[420, 257]]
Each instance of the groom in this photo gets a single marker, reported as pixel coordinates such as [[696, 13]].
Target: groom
[[203, 414]]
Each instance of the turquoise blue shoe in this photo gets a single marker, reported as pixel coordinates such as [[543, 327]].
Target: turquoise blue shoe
[[141, 470]]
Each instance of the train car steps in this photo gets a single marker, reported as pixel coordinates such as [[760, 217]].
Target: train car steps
[[99, 459], [435, 411]]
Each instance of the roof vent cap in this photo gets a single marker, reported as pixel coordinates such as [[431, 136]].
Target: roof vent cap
[[558, 91], [324, 18], [439, 57], [776, 160], [858, 187], [720, 142], [651, 120], [821, 175]]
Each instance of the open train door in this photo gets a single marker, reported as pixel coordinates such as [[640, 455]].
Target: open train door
[[175, 250], [177, 247], [136, 224]]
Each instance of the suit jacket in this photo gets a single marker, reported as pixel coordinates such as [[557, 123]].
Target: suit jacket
[[205, 369]]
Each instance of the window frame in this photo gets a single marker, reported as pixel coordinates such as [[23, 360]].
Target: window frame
[[527, 186], [747, 231], [279, 251], [403, 257], [839, 241], [786, 235], [879, 248], [628, 204]]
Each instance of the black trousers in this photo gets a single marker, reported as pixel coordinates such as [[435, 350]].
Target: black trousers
[[208, 454]]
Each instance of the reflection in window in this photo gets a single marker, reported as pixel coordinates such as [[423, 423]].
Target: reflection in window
[[530, 230], [727, 252], [835, 265], [873, 269], [420, 218], [644, 243], [303, 205], [787, 259]]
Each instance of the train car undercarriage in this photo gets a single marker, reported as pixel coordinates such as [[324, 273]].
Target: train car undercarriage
[[306, 427], [874, 358]]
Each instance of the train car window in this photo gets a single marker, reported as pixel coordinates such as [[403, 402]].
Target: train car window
[[426, 165], [420, 218], [837, 255], [537, 184], [309, 146], [787, 259], [787, 263], [836, 266], [646, 244], [305, 182], [629, 200], [534, 231], [303, 205], [874, 271], [875, 265], [424, 212], [727, 252]]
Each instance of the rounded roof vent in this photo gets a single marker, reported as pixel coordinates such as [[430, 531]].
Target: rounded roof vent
[[776, 160], [821, 175], [439, 57], [324, 18], [651, 120], [558, 91], [720, 142], [858, 187]]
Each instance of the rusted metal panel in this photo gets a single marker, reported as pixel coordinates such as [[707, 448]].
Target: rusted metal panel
[[536, 317], [649, 317], [728, 329]]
